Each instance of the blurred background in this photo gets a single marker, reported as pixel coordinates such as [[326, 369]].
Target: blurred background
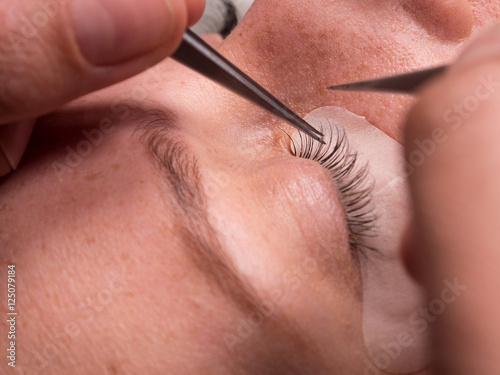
[[221, 16]]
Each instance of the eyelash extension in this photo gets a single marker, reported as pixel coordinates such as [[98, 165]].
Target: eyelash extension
[[352, 179]]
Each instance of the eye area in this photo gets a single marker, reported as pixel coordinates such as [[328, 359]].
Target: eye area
[[351, 178]]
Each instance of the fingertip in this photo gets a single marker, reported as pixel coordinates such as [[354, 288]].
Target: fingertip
[[109, 33], [91, 45], [426, 114], [485, 47], [409, 255], [5, 165], [195, 9], [14, 139]]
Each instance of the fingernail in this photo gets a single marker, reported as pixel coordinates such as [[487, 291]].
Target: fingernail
[[5, 161], [215, 40], [13, 141], [483, 48], [109, 32], [408, 252]]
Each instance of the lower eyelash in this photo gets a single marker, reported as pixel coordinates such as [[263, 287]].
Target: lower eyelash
[[352, 179]]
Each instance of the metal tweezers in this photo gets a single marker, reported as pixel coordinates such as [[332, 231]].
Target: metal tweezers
[[407, 83], [201, 57]]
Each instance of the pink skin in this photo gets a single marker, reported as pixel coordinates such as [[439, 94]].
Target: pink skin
[[104, 272], [49, 60]]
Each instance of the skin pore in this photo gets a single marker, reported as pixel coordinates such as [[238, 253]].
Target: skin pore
[[113, 277]]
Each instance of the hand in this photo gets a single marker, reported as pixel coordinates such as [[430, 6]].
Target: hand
[[453, 144], [53, 51]]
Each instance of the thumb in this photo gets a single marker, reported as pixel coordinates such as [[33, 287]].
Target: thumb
[[56, 50]]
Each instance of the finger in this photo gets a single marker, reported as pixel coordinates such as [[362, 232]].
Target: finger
[[195, 10], [13, 141], [56, 50], [452, 144]]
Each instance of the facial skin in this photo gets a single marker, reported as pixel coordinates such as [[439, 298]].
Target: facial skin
[[110, 276]]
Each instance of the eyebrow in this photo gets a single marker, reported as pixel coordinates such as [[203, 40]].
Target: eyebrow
[[178, 167]]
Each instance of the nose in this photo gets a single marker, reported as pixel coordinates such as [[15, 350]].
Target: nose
[[448, 19]]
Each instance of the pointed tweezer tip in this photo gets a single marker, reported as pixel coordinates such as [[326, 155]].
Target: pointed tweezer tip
[[318, 137], [310, 130], [346, 87]]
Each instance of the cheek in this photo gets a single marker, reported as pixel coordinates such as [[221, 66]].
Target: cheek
[[195, 10], [106, 271]]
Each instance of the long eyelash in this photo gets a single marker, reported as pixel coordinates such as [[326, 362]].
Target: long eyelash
[[352, 179]]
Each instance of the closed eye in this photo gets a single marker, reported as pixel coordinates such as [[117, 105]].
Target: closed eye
[[352, 179]]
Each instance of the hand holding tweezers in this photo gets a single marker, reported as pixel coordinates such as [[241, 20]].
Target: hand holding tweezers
[[196, 54]]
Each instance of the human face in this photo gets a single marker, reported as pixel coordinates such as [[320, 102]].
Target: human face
[[164, 226]]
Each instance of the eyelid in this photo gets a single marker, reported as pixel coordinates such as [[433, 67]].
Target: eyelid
[[352, 179]]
